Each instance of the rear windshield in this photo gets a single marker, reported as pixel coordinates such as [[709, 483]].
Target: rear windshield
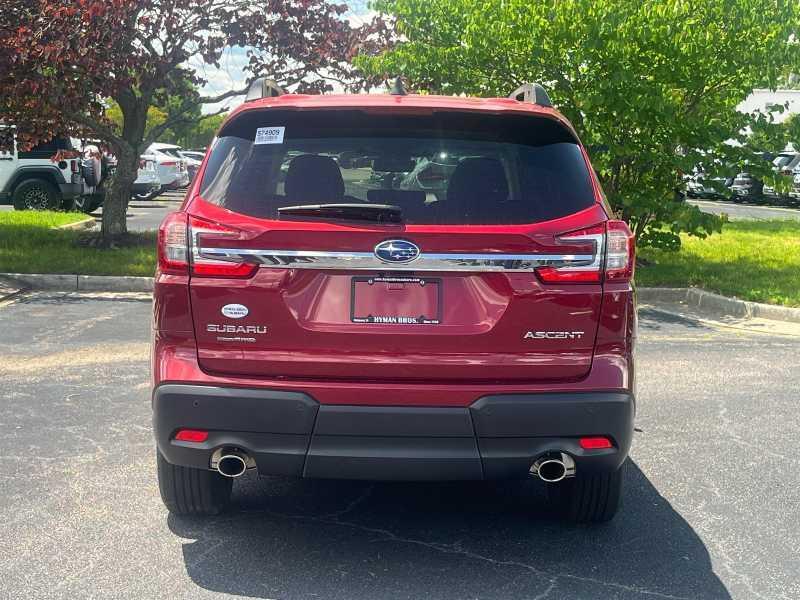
[[440, 168]]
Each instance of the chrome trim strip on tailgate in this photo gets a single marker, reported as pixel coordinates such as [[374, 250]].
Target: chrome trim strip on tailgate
[[367, 261]]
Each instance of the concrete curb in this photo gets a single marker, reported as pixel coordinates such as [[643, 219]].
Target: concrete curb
[[87, 223], [720, 304], [79, 283]]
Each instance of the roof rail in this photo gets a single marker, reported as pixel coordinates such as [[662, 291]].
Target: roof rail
[[263, 88], [531, 92]]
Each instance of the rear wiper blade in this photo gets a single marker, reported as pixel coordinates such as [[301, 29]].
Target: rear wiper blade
[[383, 213]]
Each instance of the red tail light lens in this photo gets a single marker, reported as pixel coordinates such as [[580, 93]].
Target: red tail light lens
[[173, 252], [169, 163], [234, 270], [592, 240], [620, 252], [203, 231], [612, 251], [74, 167]]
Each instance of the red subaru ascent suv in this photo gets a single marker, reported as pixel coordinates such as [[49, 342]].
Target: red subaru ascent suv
[[394, 287]]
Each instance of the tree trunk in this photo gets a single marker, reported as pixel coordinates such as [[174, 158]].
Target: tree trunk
[[115, 205]]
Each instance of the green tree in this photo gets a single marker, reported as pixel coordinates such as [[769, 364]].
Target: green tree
[[155, 117], [200, 134], [191, 128], [62, 60], [650, 86]]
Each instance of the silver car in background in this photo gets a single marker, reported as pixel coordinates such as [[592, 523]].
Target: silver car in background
[[147, 185]]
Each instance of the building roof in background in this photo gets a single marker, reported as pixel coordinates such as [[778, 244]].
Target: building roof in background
[[763, 99]]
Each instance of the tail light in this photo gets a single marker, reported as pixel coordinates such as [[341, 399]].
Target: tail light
[[593, 239], [142, 164], [202, 230], [620, 252], [609, 254], [173, 248], [169, 163], [74, 166], [175, 236]]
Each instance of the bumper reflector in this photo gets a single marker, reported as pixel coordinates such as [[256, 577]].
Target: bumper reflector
[[191, 435], [595, 443]]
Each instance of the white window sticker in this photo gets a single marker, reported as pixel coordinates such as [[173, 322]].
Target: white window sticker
[[269, 135]]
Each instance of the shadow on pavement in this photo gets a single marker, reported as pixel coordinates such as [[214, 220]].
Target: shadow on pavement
[[333, 539], [654, 319], [37, 298]]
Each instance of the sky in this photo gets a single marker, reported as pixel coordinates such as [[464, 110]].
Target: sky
[[229, 75]]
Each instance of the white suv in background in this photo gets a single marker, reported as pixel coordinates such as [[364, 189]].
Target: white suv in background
[[193, 161], [170, 165], [147, 185], [48, 176]]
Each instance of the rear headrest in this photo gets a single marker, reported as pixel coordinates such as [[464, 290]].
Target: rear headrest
[[313, 179], [478, 185]]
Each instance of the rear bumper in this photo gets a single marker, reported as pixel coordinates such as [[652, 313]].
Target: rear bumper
[[70, 190], [290, 433], [181, 181], [145, 187]]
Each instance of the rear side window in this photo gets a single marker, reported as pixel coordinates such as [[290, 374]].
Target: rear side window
[[47, 149], [442, 168]]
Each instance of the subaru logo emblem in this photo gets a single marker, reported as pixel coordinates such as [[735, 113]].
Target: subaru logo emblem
[[396, 251]]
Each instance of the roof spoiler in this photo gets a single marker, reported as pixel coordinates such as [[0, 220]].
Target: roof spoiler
[[531, 92], [263, 88]]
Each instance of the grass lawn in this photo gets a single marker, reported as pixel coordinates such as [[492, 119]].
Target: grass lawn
[[752, 260], [38, 218], [28, 244]]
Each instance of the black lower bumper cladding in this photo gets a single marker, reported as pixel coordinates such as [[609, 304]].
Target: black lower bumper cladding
[[289, 433]]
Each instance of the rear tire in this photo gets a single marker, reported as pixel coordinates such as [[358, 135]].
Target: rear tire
[[196, 492], [36, 194], [146, 196], [587, 498]]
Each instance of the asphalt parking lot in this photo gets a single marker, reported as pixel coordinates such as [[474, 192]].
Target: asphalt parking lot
[[740, 212], [146, 215], [711, 508]]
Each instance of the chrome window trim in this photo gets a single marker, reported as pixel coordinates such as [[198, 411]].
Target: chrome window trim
[[367, 261]]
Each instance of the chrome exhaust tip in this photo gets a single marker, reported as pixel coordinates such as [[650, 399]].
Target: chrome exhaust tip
[[231, 465], [553, 467]]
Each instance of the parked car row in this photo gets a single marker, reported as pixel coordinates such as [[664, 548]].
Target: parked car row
[[746, 186], [71, 174]]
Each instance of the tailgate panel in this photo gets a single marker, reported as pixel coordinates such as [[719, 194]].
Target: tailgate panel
[[490, 326]]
